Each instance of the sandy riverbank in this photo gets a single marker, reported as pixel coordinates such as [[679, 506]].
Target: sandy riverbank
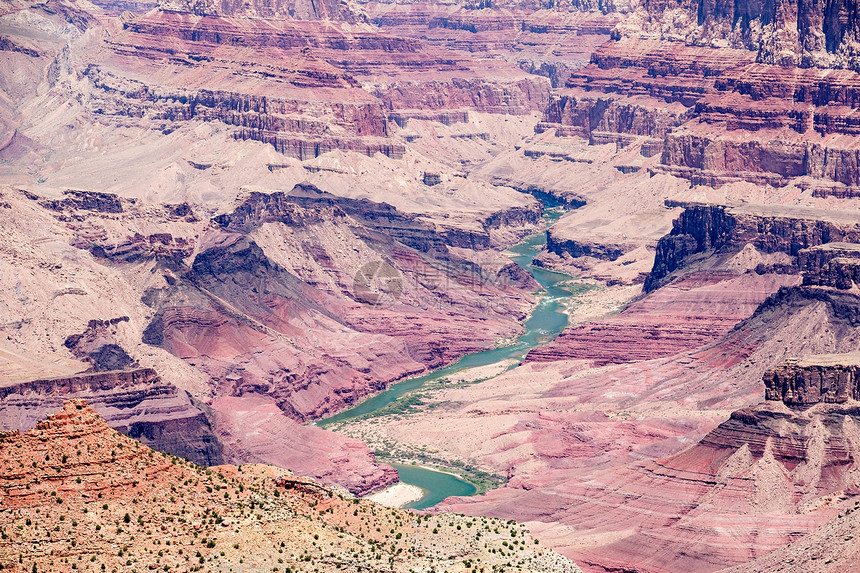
[[397, 495]]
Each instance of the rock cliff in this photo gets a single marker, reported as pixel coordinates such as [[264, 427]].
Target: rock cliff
[[703, 229], [820, 379], [298, 9], [137, 403], [797, 33], [320, 102], [831, 264], [234, 286], [691, 102]]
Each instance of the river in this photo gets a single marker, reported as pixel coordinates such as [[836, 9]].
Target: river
[[546, 322]]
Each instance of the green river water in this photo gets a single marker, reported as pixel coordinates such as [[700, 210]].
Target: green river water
[[546, 322]]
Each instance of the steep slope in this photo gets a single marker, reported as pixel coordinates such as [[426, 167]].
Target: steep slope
[[788, 34], [830, 547], [76, 494], [595, 458]]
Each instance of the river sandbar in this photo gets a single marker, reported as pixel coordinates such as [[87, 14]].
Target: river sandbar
[[397, 495]]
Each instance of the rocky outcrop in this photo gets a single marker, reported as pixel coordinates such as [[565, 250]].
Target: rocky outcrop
[[7, 45], [519, 97], [85, 200], [831, 264], [797, 33], [306, 204], [97, 345], [117, 7], [714, 228], [162, 247], [136, 402], [294, 126], [698, 100], [582, 114], [401, 118], [823, 379], [378, 288], [578, 248], [325, 106], [299, 9], [691, 312]]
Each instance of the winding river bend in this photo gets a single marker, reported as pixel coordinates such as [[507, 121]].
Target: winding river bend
[[546, 322]]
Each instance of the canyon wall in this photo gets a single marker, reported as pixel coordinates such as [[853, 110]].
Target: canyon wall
[[316, 104], [795, 33], [705, 228], [831, 264], [713, 113], [807, 382], [137, 403], [298, 9], [239, 300]]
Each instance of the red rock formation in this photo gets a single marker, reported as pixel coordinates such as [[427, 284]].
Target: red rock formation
[[831, 264], [714, 94], [143, 406], [704, 301], [702, 229], [782, 33], [764, 477], [256, 326], [830, 547], [250, 424], [298, 9], [691, 312], [137, 402], [169, 65]]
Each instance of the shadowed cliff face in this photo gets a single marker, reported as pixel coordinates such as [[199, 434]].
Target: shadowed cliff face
[[383, 219], [701, 230], [137, 403], [797, 32]]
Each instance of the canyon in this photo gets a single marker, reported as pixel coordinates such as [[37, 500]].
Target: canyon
[[227, 222]]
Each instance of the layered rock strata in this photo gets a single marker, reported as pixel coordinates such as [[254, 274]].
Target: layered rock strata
[[690, 312], [691, 104], [733, 257], [137, 403], [238, 298], [785, 34], [831, 264], [774, 471], [170, 66], [705, 228]]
